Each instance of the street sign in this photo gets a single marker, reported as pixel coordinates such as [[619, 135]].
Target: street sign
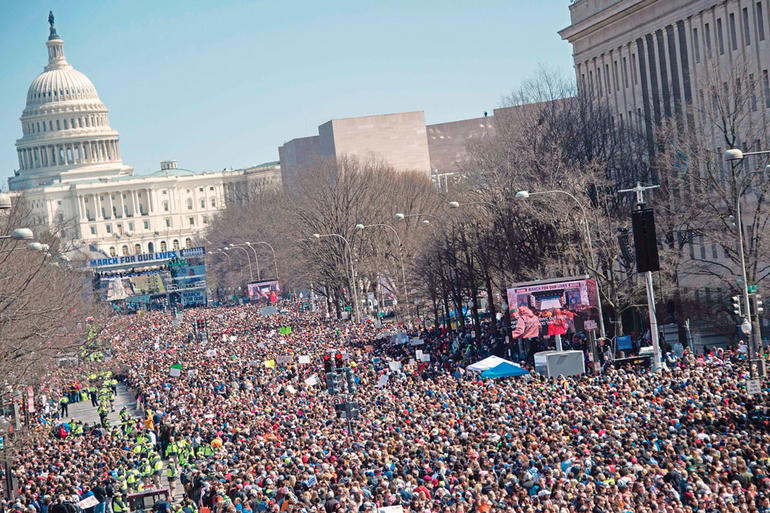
[[753, 386], [752, 288]]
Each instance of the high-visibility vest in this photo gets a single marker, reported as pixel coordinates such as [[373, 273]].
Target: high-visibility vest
[[171, 471], [158, 466], [118, 506], [64, 400]]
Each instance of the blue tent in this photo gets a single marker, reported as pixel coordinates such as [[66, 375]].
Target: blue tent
[[504, 370]]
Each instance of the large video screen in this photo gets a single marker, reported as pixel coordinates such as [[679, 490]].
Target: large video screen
[[122, 287], [264, 291], [543, 309]]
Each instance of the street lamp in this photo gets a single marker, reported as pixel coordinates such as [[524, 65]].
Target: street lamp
[[524, 194], [272, 250], [5, 201], [361, 227], [735, 157], [349, 269], [248, 258], [19, 234]]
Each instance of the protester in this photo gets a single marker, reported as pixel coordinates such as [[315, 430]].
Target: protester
[[247, 428]]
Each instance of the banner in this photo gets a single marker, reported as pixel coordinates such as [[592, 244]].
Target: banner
[[552, 307]]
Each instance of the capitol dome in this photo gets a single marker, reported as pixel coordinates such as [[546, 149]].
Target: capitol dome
[[66, 131]]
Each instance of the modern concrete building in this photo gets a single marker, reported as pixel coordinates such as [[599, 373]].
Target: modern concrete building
[[651, 59], [398, 140], [72, 176]]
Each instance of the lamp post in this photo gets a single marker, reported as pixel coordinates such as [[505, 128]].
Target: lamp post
[[351, 269], [248, 258], [19, 234], [526, 194], [735, 157], [361, 227], [275, 262]]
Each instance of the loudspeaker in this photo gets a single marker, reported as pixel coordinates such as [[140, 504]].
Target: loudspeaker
[[645, 241]]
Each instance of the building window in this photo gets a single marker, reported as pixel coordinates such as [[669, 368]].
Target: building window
[[163, 246], [707, 33], [695, 44], [720, 37], [109, 228], [168, 222], [164, 192], [192, 221], [211, 188], [189, 204], [213, 202], [746, 26], [112, 251], [124, 249], [165, 206], [176, 245], [187, 243], [200, 189], [733, 35], [146, 225], [766, 87], [752, 87], [93, 230], [137, 249], [760, 22], [205, 219], [203, 203], [131, 226]]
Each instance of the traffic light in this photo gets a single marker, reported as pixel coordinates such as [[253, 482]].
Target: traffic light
[[327, 363], [338, 360], [758, 303], [347, 408], [200, 324], [351, 380], [333, 383], [737, 305]]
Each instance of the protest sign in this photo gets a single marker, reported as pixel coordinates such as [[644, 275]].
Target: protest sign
[[304, 359], [394, 366], [382, 381]]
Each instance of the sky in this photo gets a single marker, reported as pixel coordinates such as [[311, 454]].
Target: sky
[[222, 83]]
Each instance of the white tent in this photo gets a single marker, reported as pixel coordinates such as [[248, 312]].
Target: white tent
[[487, 363]]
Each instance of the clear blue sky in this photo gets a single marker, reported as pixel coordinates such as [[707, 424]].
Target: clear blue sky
[[223, 83]]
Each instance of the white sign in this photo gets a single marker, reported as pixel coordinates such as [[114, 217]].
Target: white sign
[[312, 380], [391, 509], [291, 389], [304, 358], [211, 352], [754, 386], [88, 502], [382, 381], [416, 342], [175, 372], [394, 366], [425, 357], [418, 355]]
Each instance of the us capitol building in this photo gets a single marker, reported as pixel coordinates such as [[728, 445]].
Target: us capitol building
[[73, 179]]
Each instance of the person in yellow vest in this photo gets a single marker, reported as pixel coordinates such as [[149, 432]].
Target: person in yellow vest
[[171, 476], [132, 479], [64, 406], [119, 503], [157, 469]]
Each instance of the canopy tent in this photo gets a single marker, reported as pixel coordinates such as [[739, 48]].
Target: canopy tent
[[504, 370], [487, 363]]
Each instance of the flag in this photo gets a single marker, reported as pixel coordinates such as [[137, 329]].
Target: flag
[[270, 364], [311, 481]]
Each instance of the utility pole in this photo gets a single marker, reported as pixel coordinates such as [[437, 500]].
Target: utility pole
[[647, 260]]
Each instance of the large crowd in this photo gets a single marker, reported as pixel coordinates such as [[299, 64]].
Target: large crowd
[[241, 423]]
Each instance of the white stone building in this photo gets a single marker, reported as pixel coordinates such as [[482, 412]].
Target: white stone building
[[72, 176]]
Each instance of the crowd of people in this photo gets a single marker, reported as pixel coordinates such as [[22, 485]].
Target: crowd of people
[[238, 421]]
